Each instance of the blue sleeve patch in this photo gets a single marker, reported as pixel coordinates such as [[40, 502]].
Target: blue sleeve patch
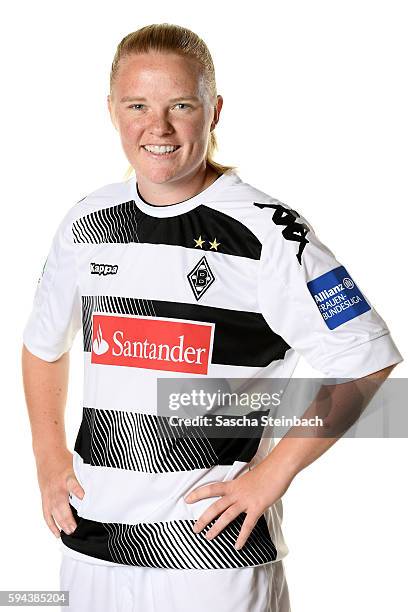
[[337, 297]]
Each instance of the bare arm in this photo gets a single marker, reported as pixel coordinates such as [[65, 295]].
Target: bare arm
[[259, 488], [45, 388], [296, 451]]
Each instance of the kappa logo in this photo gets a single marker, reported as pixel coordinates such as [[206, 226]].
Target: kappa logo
[[294, 230], [200, 278], [103, 269], [152, 343]]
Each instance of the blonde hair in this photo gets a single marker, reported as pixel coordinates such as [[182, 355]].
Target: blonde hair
[[170, 38]]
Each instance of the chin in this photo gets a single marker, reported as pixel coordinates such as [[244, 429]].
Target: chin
[[160, 175]]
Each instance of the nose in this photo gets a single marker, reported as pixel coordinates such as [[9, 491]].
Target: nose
[[160, 125]]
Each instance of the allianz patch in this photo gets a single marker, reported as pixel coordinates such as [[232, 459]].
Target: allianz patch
[[103, 269], [337, 297]]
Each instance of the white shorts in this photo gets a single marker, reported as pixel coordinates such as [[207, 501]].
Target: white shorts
[[103, 588]]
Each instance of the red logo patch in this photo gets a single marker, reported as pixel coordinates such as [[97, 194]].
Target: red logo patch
[[153, 343]]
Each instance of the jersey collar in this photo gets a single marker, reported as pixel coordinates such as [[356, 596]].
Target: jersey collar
[[172, 210]]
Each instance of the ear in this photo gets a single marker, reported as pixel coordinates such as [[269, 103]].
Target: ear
[[217, 110], [111, 111]]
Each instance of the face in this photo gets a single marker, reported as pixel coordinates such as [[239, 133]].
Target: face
[[161, 99]]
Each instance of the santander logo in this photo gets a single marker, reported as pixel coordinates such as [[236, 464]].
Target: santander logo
[[154, 343], [99, 345]]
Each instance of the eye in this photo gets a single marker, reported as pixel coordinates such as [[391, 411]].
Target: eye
[[183, 104], [132, 105]]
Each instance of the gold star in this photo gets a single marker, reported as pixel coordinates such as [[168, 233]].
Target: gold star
[[199, 242], [214, 244]]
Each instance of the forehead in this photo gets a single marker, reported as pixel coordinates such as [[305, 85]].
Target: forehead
[[165, 73]]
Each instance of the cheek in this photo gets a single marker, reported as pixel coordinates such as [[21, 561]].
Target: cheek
[[195, 132], [129, 129]]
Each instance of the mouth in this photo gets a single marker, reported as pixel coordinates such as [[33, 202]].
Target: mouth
[[161, 151]]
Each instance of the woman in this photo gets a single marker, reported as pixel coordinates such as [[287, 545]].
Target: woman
[[183, 271]]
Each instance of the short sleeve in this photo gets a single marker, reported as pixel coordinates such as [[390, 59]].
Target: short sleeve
[[56, 309], [311, 300]]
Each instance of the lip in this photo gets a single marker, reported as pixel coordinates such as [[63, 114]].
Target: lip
[[160, 144], [161, 155]]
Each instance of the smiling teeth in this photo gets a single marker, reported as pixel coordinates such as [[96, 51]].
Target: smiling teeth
[[160, 149]]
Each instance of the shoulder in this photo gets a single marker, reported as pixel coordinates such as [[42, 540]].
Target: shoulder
[[262, 213], [103, 197], [107, 195]]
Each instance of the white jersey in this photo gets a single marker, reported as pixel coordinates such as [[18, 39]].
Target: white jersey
[[230, 283]]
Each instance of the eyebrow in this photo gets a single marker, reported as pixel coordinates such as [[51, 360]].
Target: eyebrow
[[133, 99]]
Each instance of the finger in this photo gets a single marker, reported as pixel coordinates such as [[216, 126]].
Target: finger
[[246, 530], [223, 521], [51, 523], [214, 489], [212, 511], [64, 517], [74, 487]]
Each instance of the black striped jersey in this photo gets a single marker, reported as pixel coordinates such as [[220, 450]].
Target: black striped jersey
[[231, 283]]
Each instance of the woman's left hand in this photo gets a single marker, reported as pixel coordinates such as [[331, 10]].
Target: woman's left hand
[[252, 493]]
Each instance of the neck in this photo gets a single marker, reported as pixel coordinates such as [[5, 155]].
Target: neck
[[177, 191]]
